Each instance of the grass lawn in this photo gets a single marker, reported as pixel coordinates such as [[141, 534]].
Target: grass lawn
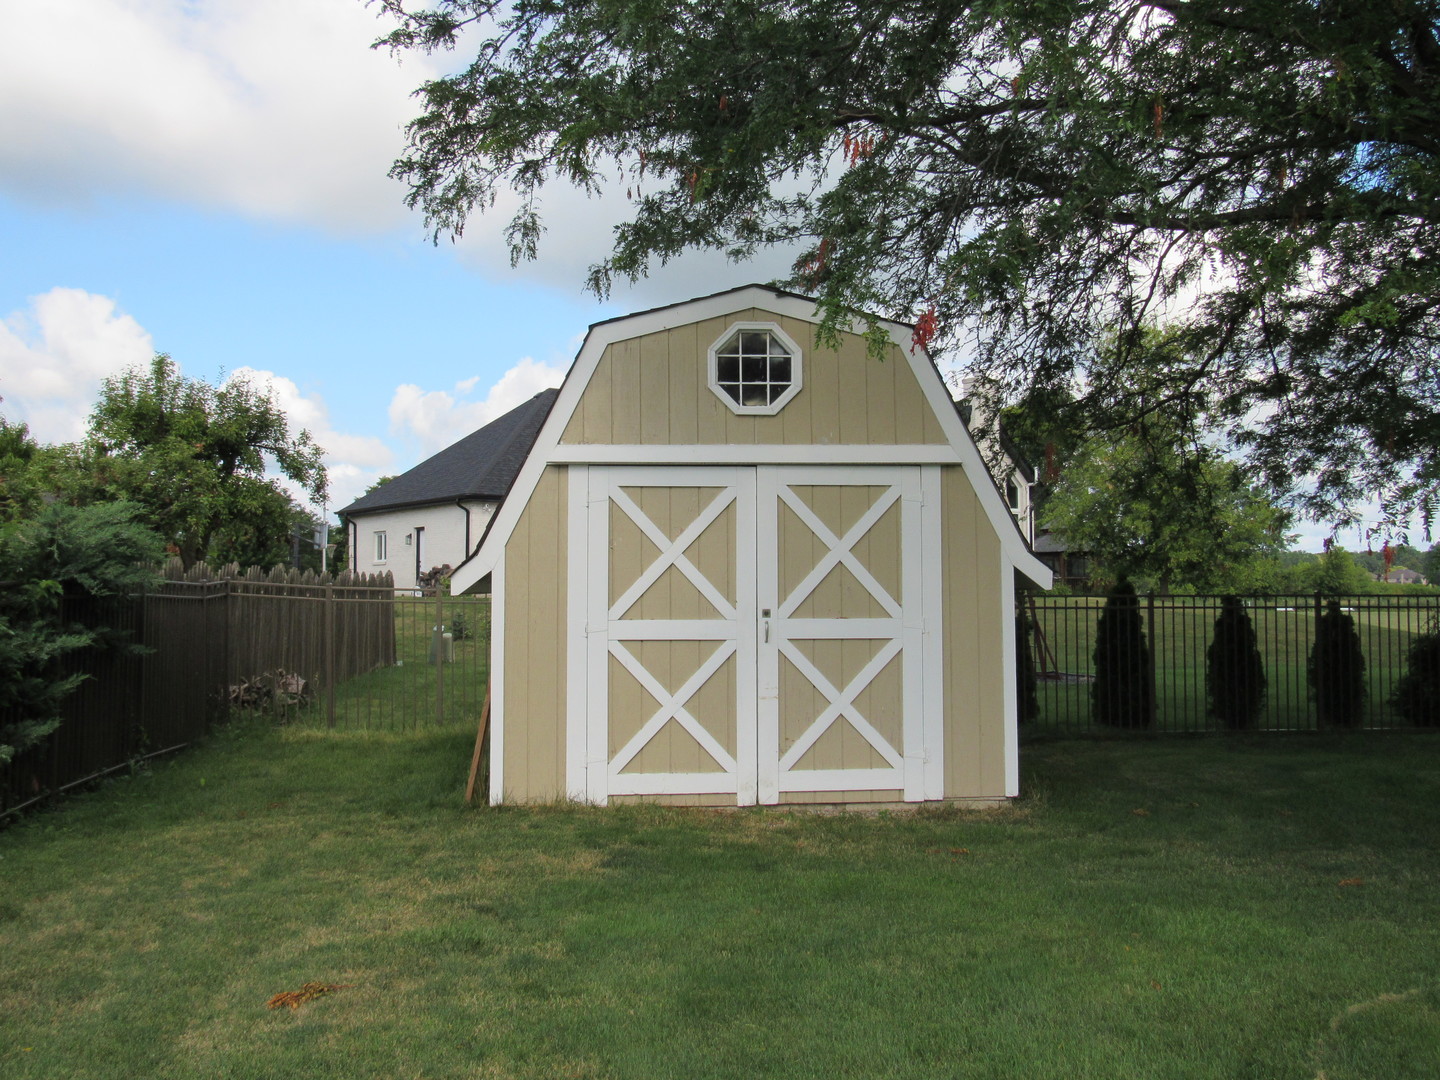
[[1188, 908]]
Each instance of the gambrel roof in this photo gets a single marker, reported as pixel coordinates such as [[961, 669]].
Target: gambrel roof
[[959, 447], [482, 465]]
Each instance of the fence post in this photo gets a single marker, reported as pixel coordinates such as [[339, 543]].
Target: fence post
[[439, 639], [1154, 645], [1319, 684], [329, 655]]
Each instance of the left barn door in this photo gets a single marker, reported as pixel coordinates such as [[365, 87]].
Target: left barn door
[[670, 629]]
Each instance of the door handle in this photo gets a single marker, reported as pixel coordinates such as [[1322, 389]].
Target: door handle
[[765, 615]]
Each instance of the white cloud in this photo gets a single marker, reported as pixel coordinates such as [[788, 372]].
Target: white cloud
[[579, 232], [352, 462], [437, 418], [276, 108], [54, 355]]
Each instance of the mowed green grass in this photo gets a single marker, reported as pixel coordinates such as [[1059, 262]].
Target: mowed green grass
[[1176, 908], [1285, 633]]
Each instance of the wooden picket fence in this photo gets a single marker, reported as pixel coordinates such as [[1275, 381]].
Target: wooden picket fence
[[339, 650]]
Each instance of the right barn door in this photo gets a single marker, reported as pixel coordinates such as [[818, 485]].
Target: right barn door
[[848, 678]]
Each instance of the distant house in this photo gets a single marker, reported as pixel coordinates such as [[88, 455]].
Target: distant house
[[1402, 575], [1013, 475], [1071, 568], [434, 515]]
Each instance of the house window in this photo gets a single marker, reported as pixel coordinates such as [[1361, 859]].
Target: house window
[[755, 368], [380, 547]]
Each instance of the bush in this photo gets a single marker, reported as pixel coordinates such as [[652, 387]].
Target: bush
[[1416, 696], [460, 628], [64, 551], [1027, 703], [1234, 673], [1123, 693], [1336, 670]]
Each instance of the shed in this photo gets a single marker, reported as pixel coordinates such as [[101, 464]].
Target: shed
[[741, 567]]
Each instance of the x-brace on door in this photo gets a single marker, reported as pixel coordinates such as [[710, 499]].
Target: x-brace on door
[[756, 631]]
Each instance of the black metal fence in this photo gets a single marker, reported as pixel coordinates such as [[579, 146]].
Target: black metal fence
[[1178, 631], [344, 652]]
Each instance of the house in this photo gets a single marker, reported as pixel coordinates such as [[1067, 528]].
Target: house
[[1070, 567], [1013, 474], [1402, 575], [435, 514], [742, 567]]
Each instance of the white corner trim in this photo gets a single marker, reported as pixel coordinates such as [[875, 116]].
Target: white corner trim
[[932, 647], [1012, 700], [576, 643], [497, 684]]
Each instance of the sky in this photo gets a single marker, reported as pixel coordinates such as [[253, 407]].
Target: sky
[[207, 178]]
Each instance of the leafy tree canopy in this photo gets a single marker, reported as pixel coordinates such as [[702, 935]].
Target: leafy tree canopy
[[1024, 178], [195, 456], [1144, 512], [1150, 502]]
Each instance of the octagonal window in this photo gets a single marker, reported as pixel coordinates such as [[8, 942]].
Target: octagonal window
[[755, 368]]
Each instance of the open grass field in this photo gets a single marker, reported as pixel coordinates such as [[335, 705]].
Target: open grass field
[[1265, 908], [1180, 633]]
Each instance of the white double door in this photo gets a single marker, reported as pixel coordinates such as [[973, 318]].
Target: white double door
[[755, 631]]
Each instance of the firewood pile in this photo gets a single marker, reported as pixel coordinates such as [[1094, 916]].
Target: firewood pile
[[270, 690]]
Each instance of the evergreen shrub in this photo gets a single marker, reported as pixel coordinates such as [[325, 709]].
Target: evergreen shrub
[[1235, 682], [1336, 669], [1123, 693]]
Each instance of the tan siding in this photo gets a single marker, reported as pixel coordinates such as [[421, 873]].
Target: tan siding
[[974, 702], [653, 390], [535, 674]]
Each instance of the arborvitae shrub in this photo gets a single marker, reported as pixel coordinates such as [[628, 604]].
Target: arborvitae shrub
[[1234, 673], [1123, 693], [1416, 696], [1337, 670], [1028, 704]]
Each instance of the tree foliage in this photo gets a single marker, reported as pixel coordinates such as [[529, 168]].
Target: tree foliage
[[1235, 682], [1026, 177], [62, 552], [1143, 511], [1150, 502], [1027, 700], [196, 457], [1336, 669], [1123, 693]]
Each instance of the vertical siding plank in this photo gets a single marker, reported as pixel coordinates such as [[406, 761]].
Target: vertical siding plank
[[535, 644], [655, 366]]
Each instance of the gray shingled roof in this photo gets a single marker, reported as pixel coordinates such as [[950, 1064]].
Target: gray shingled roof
[[482, 465]]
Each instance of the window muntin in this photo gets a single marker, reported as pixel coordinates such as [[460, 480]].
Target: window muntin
[[755, 368]]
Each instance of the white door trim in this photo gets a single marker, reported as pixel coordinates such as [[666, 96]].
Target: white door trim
[[757, 771]]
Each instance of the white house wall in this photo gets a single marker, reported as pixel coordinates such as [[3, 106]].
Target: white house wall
[[442, 539]]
